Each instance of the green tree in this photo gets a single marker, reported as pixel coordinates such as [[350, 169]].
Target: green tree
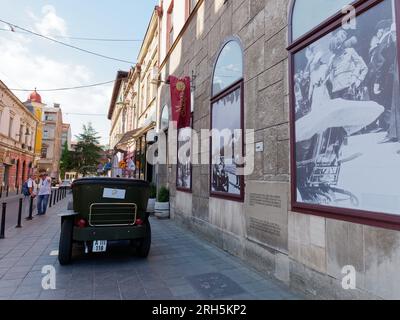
[[66, 163], [88, 151]]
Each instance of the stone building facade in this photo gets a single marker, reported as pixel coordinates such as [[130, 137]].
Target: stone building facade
[[272, 227], [17, 140]]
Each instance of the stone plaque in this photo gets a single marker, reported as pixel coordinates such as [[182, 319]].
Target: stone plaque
[[267, 213]]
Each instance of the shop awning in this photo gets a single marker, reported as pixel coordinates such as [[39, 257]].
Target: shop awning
[[130, 136]]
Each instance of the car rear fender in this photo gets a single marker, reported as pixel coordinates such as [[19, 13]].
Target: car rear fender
[[68, 214]]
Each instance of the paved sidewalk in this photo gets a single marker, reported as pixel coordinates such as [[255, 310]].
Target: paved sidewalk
[[180, 266]]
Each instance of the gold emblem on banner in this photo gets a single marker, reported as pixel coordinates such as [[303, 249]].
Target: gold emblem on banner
[[180, 86]]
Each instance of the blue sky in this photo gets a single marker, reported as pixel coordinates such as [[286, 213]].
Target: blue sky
[[28, 61]]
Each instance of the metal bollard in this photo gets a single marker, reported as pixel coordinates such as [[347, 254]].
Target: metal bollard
[[19, 214], [30, 209], [51, 199], [54, 197], [3, 221]]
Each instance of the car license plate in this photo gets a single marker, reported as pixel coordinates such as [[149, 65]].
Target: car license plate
[[99, 246]]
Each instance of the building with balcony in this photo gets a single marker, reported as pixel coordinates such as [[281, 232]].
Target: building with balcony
[[18, 127], [118, 115], [51, 148], [136, 110]]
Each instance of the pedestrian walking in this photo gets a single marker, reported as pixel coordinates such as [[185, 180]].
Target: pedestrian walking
[[44, 193], [29, 190]]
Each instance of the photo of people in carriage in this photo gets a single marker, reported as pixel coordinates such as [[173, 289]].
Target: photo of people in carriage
[[184, 166], [347, 113]]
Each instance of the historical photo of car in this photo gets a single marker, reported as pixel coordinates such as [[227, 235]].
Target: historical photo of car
[[226, 151], [347, 111]]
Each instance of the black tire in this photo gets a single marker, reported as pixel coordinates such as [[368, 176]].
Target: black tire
[[65, 246], [143, 248]]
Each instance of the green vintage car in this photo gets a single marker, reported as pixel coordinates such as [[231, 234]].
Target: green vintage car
[[104, 210]]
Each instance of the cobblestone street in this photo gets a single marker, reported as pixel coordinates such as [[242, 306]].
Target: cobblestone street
[[180, 266]]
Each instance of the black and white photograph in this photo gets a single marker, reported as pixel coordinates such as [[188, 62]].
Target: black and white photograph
[[226, 117], [347, 113], [184, 166]]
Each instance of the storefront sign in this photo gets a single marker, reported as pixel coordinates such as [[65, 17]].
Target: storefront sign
[[181, 101], [122, 164]]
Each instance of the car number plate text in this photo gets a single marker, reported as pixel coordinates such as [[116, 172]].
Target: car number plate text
[[114, 193], [99, 246]]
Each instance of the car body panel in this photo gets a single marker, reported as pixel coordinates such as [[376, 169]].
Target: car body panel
[[108, 233], [112, 207]]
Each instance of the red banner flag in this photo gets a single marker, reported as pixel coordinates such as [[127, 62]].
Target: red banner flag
[[180, 101]]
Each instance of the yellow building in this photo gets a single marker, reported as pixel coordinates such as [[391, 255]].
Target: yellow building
[[35, 105]]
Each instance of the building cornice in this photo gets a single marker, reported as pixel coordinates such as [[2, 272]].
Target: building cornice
[[149, 37], [16, 149], [121, 75], [18, 102]]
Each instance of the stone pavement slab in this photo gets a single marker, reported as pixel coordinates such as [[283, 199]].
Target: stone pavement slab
[[180, 266]]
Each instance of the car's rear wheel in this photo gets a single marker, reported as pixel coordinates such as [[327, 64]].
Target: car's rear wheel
[[65, 246], [143, 248]]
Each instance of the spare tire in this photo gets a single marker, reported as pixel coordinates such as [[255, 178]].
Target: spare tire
[[143, 249], [65, 246]]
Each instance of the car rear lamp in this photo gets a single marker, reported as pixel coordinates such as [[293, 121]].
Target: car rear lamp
[[139, 222], [81, 223]]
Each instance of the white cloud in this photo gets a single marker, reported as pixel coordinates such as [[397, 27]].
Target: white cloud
[[20, 67], [50, 23]]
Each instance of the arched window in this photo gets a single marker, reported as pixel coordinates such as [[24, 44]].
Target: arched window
[[164, 121], [23, 177], [124, 120], [229, 67], [345, 110], [227, 140], [17, 169], [308, 14]]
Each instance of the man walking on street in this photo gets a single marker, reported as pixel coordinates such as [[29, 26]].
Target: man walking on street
[[44, 193], [29, 190]]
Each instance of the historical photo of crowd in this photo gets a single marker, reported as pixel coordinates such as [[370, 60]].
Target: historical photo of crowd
[[184, 167], [347, 110]]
